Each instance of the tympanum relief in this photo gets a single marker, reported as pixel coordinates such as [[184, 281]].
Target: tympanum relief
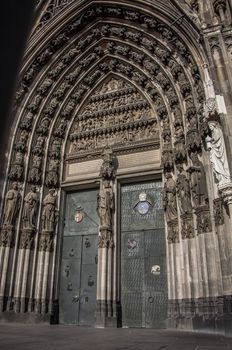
[[115, 115]]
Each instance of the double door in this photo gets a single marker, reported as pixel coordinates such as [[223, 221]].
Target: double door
[[79, 260], [143, 256]]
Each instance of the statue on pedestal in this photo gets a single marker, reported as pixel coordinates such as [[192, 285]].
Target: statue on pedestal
[[216, 146], [11, 207], [49, 211], [30, 209]]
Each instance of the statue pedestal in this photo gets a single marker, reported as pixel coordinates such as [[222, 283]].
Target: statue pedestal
[[226, 194]]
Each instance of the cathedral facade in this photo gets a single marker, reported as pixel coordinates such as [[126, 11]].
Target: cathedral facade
[[117, 198]]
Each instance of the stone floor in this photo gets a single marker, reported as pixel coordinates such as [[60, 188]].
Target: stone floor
[[44, 337]]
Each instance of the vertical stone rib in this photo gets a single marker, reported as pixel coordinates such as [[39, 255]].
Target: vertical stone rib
[[45, 282], [19, 276], [38, 289], [24, 280], [5, 258]]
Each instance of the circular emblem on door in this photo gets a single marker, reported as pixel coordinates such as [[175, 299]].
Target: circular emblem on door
[[79, 215], [143, 205]]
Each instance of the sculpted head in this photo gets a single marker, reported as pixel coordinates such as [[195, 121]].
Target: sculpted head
[[15, 185], [33, 188], [212, 125]]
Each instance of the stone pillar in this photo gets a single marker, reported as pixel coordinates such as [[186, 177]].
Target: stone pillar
[[46, 237], [105, 313], [6, 242]]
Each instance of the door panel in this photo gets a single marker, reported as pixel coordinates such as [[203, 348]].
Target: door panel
[[143, 258], [88, 281], [79, 260]]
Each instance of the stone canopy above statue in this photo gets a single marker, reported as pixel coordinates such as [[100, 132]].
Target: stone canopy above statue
[[116, 115]]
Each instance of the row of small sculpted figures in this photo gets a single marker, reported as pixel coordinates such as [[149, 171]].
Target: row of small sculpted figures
[[119, 137], [125, 107], [100, 95], [113, 102], [110, 120]]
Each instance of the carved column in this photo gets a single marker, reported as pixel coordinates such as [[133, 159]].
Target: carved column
[[29, 216], [10, 213], [105, 314], [49, 220]]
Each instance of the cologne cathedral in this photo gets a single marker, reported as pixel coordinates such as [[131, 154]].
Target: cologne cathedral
[[116, 203]]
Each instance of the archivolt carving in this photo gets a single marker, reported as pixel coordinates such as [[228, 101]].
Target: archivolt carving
[[60, 102]]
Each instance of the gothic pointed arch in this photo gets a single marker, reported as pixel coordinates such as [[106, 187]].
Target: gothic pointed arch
[[132, 77]]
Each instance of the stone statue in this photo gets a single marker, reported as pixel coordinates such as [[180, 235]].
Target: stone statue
[[11, 207], [198, 182], [183, 191], [216, 146], [169, 198], [30, 209], [49, 211], [107, 169], [105, 205]]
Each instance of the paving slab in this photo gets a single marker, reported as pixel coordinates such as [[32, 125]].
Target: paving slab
[[59, 337]]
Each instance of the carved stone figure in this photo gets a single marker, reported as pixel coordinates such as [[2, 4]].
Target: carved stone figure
[[21, 144], [11, 207], [52, 178], [27, 121], [169, 198], [44, 126], [35, 172], [16, 171], [107, 170], [55, 148], [105, 204], [216, 146], [183, 191], [30, 209], [198, 182], [39, 146], [49, 211]]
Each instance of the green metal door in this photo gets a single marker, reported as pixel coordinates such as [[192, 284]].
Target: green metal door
[[143, 256], [79, 259]]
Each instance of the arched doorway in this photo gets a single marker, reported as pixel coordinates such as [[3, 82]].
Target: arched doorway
[[128, 78]]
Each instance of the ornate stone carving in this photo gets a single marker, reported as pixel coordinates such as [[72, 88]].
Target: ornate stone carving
[[35, 171], [167, 160], [204, 224], [106, 205], [187, 229], [198, 182], [107, 170], [52, 176], [46, 241], [56, 148], [218, 211], [105, 199], [17, 167], [7, 237], [49, 215], [26, 123], [21, 145], [39, 146], [30, 209], [26, 239], [173, 232], [169, 198], [183, 191], [218, 158], [11, 206], [43, 126]]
